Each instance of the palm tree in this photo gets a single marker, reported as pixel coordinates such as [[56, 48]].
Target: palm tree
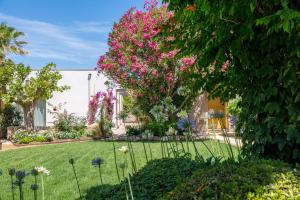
[[9, 42]]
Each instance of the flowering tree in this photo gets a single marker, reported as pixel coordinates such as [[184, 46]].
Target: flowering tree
[[140, 58]]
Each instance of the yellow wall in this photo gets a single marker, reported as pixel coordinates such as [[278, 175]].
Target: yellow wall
[[218, 106]]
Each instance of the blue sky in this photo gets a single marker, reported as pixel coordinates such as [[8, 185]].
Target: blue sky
[[70, 33]]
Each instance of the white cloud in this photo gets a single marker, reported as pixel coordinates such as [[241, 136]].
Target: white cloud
[[51, 41], [93, 27]]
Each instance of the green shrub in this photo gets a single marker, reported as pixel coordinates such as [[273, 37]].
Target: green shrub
[[9, 116], [151, 182], [134, 130], [19, 135], [40, 139], [68, 122], [48, 136], [156, 128], [248, 180], [25, 137], [68, 135], [26, 140]]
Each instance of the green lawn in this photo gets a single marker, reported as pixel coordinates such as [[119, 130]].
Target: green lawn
[[61, 184]]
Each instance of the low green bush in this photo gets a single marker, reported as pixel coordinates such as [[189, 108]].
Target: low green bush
[[156, 128], [69, 135], [248, 180], [9, 116], [26, 140], [40, 139], [151, 182], [25, 137], [134, 130]]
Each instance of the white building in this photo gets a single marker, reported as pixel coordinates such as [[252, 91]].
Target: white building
[[83, 84]]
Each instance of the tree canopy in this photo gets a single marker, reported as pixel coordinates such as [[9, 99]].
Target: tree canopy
[[25, 88], [250, 49], [140, 60]]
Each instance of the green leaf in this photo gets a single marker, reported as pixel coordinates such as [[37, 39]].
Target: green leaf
[[272, 107], [286, 26]]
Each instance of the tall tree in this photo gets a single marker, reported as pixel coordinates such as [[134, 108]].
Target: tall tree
[[9, 43], [140, 60], [26, 89]]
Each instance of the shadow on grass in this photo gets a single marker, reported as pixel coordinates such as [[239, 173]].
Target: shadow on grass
[[151, 182]]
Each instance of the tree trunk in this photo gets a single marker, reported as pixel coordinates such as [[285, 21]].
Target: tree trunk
[[29, 116]]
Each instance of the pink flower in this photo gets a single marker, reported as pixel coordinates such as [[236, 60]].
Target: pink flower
[[225, 66], [153, 45], [154, 72], [188, 61], [183, 68]]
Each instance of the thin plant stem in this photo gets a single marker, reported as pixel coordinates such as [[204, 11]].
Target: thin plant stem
[[187, 143], [166, 146], [162, 148], [115, 158], [21, 191], [215, 137], [219, 143], [176, 143], [172, 149], [127, 198], [145, 151], [227, 138], [35, 191], [207, 148], [150, 150], [43, 189], [237, 144], [220, 146], [131, 156], [196, 150], [182, 146], [12, 187], [76, 181], [100, 174], [129, 184], [130, 189]]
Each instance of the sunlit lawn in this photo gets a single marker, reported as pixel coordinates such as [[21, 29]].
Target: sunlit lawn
[[61, 184]]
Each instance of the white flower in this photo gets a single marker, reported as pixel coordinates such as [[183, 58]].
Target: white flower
[[124, 149], [171, 131], [42, 170]]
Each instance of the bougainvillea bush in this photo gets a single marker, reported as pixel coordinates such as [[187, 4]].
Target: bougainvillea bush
[[101, 111], [140, 58], [105, 99]]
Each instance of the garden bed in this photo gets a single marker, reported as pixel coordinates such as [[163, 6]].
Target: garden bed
[[58, 141]]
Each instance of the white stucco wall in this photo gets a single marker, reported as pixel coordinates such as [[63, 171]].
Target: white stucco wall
[[76, 98]]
